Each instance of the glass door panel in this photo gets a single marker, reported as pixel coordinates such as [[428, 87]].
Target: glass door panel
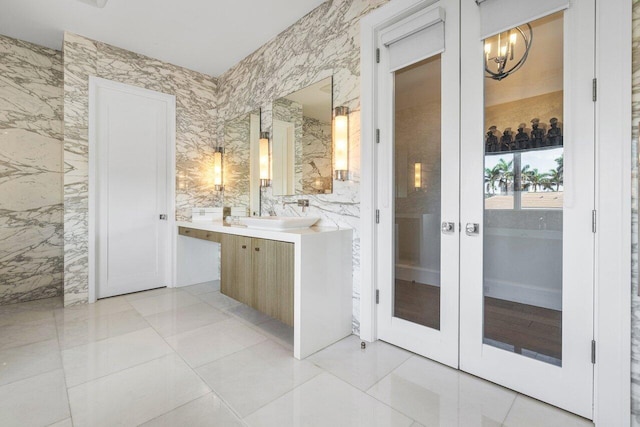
[[417, 202], [524, 192]]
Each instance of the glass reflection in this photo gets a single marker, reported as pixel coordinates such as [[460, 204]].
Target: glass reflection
[[523, 201], [417, 190]]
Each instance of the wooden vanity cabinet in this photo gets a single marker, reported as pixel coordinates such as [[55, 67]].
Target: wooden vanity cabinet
[[236, 274], [259, 273]]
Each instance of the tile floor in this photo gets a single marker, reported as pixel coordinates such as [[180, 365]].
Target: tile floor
[[193, 357]]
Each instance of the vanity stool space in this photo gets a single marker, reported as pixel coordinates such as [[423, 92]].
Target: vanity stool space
[[301, 277]]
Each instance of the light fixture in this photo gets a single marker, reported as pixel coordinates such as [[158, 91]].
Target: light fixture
[[265, 166], [217, 169], [417, 176], [341, 143], [502, 62]]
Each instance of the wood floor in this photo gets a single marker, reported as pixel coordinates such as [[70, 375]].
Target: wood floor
[[525, 329]]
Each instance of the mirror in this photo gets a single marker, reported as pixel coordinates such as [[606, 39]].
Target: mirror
[[301, 146], [240, 135]]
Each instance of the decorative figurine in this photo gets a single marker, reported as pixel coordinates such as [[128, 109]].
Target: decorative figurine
[[491, 142], [537, 134], [554, 135], [522, 139], [506, 140]]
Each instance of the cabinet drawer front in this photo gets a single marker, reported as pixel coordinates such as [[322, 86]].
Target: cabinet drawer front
[[200, 234]]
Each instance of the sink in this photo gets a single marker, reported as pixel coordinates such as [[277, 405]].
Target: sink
[[278, 222]]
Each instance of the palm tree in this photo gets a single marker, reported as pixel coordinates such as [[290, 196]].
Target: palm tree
[[506, 173], [491, 175], [555, 177], [536, 178], [525, 177]]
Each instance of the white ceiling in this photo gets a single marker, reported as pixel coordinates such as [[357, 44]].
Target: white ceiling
[[209, 36]]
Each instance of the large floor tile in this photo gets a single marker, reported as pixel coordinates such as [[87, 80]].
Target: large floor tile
[[202, 288], [277, 331], [19, 314], [150, 293], [185, 318], [83, 331], [327, 401], [101, 307], [28, 360], [212, 342], [19, 334], [205, 411], [436, 395], [361, 368], [528, 412], [35, 401], [218, 300], [165, 302], [64, 423], [94, 360], [248, 314], [135, 395], [253, 377]]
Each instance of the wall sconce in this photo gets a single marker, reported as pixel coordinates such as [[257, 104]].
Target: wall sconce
[[417, 176], [341, 143], [217, 169], [265, 163]]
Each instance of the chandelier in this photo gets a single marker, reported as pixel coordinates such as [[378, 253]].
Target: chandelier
[[501, 62]]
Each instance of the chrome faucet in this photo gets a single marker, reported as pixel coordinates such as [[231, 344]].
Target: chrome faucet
[[303, 203]]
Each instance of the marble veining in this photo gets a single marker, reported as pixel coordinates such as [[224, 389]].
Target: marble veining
[[237, 142], [195, 138], [316, 156], [31, 252], [635, 300], [324, 43]]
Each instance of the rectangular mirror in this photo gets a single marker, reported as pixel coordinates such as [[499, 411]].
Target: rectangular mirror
[[240, 134], [301, 146]]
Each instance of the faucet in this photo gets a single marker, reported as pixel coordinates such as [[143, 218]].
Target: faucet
[[303, 203]]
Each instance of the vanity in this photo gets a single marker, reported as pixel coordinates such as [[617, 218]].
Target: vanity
[[301, 277]]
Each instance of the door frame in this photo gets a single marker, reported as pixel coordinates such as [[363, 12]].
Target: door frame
[[96, 83], [612, 293]]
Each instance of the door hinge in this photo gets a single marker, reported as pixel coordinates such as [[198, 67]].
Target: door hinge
[[377, 296], [377, 136], [593, 351], [594, 89], [377, 56], [593, 220], [377, 216]]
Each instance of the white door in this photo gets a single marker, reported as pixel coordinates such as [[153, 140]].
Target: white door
[[485, 192], [527, 270], [418, 181], [132, 146]]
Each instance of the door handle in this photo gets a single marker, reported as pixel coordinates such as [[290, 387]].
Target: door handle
[[163, 217], [448, 227], [472, 229]]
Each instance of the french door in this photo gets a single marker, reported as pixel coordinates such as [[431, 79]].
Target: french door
[[485, 244]]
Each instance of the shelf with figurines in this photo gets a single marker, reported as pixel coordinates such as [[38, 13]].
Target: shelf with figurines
[[534, 139]]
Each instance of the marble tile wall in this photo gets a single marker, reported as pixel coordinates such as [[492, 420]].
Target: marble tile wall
[[635, 300], [237, 142], [31, 253], [316, 156], [195, 138], [325, 42], [289, 111]]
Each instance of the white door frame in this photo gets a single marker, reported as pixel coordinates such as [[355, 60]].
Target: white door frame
[[94, 84], [612, 383]]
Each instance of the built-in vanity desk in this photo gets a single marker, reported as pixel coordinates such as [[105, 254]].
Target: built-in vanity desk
[[301, 277]]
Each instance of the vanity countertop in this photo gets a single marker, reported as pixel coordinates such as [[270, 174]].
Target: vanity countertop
[[293, 235]]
